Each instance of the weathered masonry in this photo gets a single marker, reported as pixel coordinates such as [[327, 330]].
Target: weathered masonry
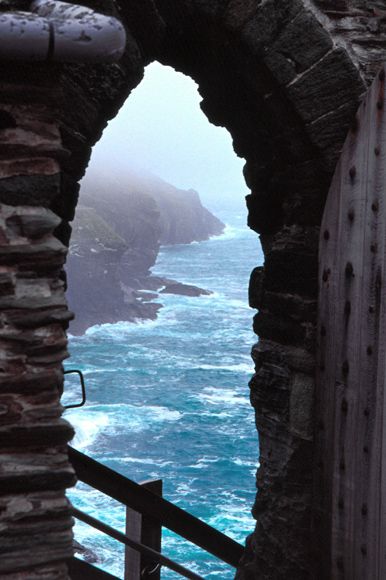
[[285, 77]]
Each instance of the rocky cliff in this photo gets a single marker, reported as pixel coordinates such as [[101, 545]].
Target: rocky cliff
[[118, 230]]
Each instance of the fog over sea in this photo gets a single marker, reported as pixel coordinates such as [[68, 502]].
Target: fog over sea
[[170, 399]]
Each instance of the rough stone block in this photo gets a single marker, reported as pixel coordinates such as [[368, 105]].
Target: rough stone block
[[7, 284], [327, 86], [34, 135], [290, 305], [264, 212], [292, 272], [294, 357], [270, 390], [299, 46], [306, 178], [34, 190], [301, 406], [54, 571], [36, 435], [28, 166], [40, 317], [31, 384], [32, 223], [270, 18], [256, 283], [238, 12], [278, 329], [330, 131], [53, 544]]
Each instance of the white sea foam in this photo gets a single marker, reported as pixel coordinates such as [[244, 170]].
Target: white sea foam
[[113, 418], [218, 396], [241, 462], [98, 369], [194, 364], [87, 425], [230, 233], [212, 414], [239, 304], [238, 368], [146, 461], [119, 328], [203, 462], [183, 489], [232, 522], [163, 414], [96, 419]]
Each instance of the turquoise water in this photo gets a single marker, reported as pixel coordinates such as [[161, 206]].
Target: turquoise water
[[169, 399]]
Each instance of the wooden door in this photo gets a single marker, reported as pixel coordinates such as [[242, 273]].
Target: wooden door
[[350, 459]]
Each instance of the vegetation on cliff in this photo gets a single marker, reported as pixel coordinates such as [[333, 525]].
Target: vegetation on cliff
[[117, 233]]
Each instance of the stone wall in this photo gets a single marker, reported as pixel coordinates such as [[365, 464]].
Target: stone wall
[[35, 520], [285, 78]]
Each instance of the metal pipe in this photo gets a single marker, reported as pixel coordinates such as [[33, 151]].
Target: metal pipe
[[60, 31]]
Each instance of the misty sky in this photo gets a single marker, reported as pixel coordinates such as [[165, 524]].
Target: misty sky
[[162, 128]]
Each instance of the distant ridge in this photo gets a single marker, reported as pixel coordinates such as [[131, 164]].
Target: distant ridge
[[119, 227]]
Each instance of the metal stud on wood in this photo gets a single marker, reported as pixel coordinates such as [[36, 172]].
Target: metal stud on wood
[[350, 511]]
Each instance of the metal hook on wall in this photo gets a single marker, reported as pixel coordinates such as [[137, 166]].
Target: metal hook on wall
[[83, 387], [150, 570]]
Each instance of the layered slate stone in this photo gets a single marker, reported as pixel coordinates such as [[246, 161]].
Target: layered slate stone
[[35, 518]]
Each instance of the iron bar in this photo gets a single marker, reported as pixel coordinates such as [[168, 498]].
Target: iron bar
[[122, 538], [83, 387], [147, 503]]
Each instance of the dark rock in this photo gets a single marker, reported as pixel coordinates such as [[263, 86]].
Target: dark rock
[[15, 5], [290, 305], [30, 190], [264, 212], [256, 285], [270, 18], [145, 295], [58, 433], [184, 290], [40, 317], [293, 51], [88, 555], [7, 285], [295, 270], [116, 237], [33, 225], [183, 219], [279, 329], [330, 83], [270, 385]]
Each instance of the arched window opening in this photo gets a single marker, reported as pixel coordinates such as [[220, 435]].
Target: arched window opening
[[167, 386]]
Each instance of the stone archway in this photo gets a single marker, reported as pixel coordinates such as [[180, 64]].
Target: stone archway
[[285, 79]]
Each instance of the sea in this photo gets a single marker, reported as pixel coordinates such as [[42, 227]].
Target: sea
[[169, 399]]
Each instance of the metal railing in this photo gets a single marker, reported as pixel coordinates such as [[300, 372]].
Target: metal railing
[[158, 512]]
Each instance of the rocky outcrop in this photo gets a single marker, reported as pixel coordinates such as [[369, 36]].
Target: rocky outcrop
[[98, 285], [116, 237], [183, 219], [183, 289]]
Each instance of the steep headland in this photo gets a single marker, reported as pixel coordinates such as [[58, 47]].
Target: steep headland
[[117, 233]]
